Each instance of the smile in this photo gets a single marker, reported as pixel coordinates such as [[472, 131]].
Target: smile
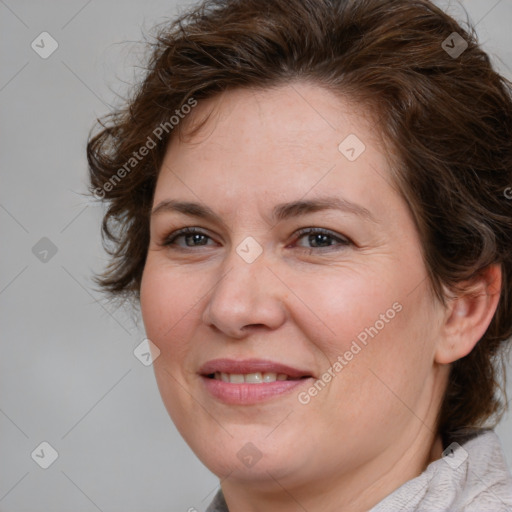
[[250, 381], [250, 378]]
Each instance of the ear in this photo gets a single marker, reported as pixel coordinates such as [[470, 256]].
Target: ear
[[468, 315]]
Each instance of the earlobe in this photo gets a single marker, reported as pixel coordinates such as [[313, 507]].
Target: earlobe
[[468, 316]]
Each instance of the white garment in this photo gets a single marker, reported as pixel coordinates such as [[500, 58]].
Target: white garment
[[471, 477], [474, 479]]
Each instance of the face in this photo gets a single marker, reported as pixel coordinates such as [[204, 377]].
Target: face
[[303, 263]]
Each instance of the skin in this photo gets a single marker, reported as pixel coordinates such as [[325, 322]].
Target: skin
[[372, 427]]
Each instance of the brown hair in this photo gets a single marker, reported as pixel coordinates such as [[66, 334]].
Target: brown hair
[[446, 117]]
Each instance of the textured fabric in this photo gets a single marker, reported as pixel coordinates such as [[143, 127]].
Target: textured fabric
[[471, 477]]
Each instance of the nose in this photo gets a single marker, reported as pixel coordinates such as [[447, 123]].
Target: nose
[[247, 297]]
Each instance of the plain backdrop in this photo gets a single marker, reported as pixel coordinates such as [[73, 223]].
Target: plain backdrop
[[68, 374]]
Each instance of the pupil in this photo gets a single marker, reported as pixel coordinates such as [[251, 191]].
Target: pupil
[[319, 237], [195, 238]]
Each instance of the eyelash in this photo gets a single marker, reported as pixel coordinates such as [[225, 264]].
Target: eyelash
[[169, 241]]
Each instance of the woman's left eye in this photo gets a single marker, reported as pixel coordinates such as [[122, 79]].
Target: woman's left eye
[[319, 238], [322, 238]]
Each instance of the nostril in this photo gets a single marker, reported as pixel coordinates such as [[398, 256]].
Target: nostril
[[253, 326]]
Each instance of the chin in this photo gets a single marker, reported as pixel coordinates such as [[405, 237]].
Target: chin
[[254, 456]]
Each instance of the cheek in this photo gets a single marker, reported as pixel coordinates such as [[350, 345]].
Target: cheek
[[167, 302], [378, 328], [344, 306]]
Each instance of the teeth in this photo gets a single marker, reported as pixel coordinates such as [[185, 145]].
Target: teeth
[[250, 378], [253, 378]]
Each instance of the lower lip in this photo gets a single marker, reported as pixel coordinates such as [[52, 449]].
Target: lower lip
[[246, 394]]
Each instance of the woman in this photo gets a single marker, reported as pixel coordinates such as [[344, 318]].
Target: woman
[[308, 198]]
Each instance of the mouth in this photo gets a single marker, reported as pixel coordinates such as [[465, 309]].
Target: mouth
[[245, 382], [251, 371], [252, 378]]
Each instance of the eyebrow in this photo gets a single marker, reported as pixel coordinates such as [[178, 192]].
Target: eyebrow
[[279, 213]]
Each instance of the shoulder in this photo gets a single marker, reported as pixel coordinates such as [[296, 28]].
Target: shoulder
[[488, 481], [472, 476]]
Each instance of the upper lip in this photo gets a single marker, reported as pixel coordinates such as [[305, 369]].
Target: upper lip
[[244, 366]]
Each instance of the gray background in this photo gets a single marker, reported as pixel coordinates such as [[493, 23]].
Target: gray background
[[68, 374]]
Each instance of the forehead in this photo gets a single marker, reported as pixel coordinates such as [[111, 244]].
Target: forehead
[[281, 143], [302, 117]]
